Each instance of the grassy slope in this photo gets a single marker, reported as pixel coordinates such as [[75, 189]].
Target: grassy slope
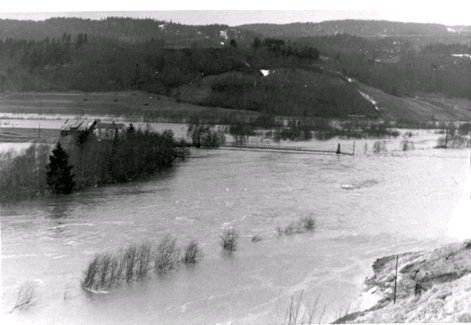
[[128, 103], [420, 109], [285, 91]]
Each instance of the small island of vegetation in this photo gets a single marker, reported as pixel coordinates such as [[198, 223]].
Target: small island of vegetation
[[84, 161]]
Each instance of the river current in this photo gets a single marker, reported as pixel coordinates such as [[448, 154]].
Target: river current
[[364, 206]]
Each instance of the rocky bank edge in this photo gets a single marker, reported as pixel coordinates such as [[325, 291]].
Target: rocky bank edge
[[432, 287]]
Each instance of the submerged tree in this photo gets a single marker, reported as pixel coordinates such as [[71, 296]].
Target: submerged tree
[[59, 176]]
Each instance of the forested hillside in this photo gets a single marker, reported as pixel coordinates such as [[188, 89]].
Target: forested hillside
[[223, 66], [397, 66], [125, 29]]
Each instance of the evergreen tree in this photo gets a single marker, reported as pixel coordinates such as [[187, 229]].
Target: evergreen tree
[[131, 128], [59, 177]]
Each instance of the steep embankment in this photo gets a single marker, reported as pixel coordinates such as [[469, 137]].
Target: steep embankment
[[433, 286]]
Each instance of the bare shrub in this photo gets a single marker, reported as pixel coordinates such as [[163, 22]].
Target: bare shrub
[[192, 253], [303, 225], [144, 258], [229, 239], [287, 230], [26, 295], [115, 266], [129, 261], [22, 173], [256, 238], [91, 274], [104, 267], [301, 313], [379, 146], [166, 254], [308, 223]]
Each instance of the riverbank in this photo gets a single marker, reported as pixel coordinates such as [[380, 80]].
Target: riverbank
[[432, 287]]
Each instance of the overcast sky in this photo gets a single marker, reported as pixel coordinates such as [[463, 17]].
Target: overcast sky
[[451, 12]]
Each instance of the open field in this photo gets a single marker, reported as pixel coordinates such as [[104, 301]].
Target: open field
[[135, 105], [28, 135], [138, 106]]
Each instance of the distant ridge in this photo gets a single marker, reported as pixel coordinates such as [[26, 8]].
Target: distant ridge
[[116, 28], [364, 28], [134, 29]]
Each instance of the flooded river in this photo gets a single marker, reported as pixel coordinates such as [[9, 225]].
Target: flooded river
[[365, 207]]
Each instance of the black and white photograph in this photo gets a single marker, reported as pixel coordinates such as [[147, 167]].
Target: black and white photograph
[[266, 164]]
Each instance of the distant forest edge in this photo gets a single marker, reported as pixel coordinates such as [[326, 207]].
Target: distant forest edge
[[364, 28], [309, 70]]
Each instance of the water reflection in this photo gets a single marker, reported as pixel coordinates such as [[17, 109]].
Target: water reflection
[[60, 211], [460, 222]]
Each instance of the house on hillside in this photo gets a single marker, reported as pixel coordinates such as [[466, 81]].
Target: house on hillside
[[109, 131], [72, 127]]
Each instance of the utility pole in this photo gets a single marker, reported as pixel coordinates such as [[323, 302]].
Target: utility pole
[[395, 280], [446, 137]]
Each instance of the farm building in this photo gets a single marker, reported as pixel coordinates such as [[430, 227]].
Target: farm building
[[102, 130], [71, 127], [108, 131]]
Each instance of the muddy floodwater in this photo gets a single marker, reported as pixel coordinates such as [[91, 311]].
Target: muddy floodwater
[[365, 207]]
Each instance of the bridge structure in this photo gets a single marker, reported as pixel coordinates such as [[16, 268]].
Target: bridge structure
[[253, 146]]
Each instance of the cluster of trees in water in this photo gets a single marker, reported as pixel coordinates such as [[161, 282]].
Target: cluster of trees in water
[[294, 130], [86, 162], [454, 136]]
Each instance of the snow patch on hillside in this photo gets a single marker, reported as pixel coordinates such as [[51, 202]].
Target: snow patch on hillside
[[265, 72], [223, 34], [367, 97], [465, 55]]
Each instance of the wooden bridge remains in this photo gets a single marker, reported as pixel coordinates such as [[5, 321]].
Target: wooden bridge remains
[[253, 146]]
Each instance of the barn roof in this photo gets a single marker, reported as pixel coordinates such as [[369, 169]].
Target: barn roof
[[80, 125]]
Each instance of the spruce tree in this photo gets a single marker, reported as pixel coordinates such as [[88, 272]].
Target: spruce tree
[[59, 176]]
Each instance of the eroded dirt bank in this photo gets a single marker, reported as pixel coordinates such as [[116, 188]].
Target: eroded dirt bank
[[432, 286]]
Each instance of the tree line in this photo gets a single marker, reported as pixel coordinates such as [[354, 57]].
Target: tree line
[[396, 66], [86, 162], [34, 54], [446, 49], [116, 28], [286, 49]]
